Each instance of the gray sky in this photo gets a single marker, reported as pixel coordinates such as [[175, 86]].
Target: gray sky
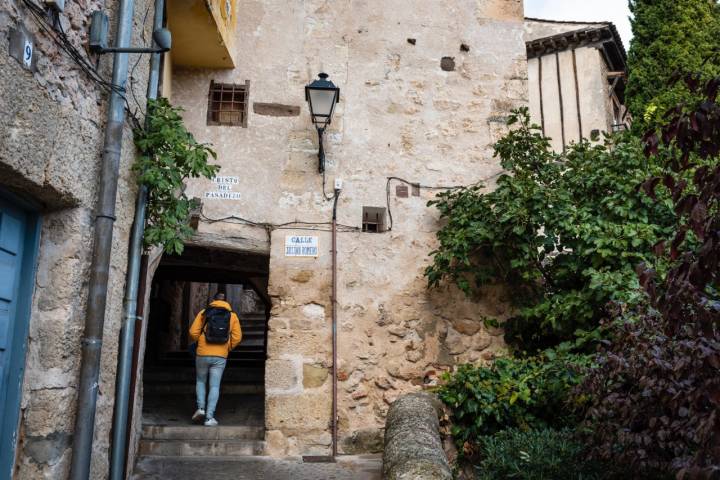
[[615, 11]]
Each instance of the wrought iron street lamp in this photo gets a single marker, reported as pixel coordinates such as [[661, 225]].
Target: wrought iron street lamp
[[322, 95]]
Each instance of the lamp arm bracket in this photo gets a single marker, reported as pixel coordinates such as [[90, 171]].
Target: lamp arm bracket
[[321, 149]]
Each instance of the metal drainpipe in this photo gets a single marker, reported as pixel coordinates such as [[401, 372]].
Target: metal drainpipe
[[132, 280], [334, 328], [102, 248]]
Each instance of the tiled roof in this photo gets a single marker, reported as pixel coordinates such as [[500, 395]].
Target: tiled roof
[[603, 33]]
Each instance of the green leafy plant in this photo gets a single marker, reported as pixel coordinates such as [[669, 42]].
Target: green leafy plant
[[564, 231], [523, 393], [543, 454], [169, 156], [668, 36]]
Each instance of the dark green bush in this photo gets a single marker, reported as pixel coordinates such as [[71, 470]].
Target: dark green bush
[[512, 393], [535, 455], [564, 231]]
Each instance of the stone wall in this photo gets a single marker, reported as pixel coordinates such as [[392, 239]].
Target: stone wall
[[425, 91], [52, 126]]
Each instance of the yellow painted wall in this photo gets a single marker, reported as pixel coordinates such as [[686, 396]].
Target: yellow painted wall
[[166, 80], [224, 12], [202, 32]]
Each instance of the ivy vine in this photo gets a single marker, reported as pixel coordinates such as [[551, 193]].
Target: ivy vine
[[169, 156]]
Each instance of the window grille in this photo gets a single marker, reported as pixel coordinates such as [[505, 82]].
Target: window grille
[[373, 220], [228, 104]]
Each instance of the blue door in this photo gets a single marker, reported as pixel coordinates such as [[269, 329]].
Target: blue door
[[18, 243]]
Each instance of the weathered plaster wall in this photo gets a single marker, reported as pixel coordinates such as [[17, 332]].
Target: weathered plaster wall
[[400, 114], [51, 132]]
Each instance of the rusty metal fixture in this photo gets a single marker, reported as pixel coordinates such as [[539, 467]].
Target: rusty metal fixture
[[334, 327]]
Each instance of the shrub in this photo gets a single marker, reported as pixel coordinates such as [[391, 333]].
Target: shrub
[[656, 394], [654, 397], [543, 454], [512, 393], [565, 231]]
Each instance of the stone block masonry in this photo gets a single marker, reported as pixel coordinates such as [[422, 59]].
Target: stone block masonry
[[402, 113], [51, 134]]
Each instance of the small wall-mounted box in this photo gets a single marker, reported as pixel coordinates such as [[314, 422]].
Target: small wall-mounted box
[[99, 27], [57, 5]]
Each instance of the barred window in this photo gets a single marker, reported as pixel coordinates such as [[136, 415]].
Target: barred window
[[373, 220], [228, 104]]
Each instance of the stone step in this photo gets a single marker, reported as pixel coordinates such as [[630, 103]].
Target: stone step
[[188, 388], [363, 467], [201, 432], [253, 318], [187, 375], [201, 448], [253, 328], [250, 335]]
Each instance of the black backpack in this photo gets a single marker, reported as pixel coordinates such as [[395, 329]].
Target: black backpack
[[217, 325]]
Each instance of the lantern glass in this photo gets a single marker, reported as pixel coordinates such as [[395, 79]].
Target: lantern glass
[[322, 95]]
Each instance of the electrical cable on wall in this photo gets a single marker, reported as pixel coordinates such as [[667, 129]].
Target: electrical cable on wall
[[132, 78], [57, 34], [323, 226], [294, 225], [425, 187]]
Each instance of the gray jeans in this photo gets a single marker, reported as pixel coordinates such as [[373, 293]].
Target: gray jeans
[[205, 367]]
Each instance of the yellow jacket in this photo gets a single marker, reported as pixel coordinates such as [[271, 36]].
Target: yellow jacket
[[214, 349]]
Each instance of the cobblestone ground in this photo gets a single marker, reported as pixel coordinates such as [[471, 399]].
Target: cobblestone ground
[[363, 467]]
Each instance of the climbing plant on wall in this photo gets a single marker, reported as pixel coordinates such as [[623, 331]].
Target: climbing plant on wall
[[564, 231], [169, 156]]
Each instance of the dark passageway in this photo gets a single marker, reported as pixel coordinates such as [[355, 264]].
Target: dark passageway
[[182, 286]]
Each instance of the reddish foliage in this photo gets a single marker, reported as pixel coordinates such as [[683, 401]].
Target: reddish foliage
[[655, 398], [656, 401], [692, 136]]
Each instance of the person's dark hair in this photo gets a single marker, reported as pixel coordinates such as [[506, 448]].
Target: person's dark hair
[[219, 296]]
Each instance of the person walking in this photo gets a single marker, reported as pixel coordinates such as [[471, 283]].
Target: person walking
[[216, 329]]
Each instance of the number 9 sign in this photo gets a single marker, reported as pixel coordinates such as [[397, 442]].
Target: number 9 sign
[[28, 54]]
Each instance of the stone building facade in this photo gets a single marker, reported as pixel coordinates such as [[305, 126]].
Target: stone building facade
[[425, 89], [576, 79], [52, 120]]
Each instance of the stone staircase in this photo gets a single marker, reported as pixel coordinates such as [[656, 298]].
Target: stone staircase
[[253, 342], [201, 441], [169, 401]]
